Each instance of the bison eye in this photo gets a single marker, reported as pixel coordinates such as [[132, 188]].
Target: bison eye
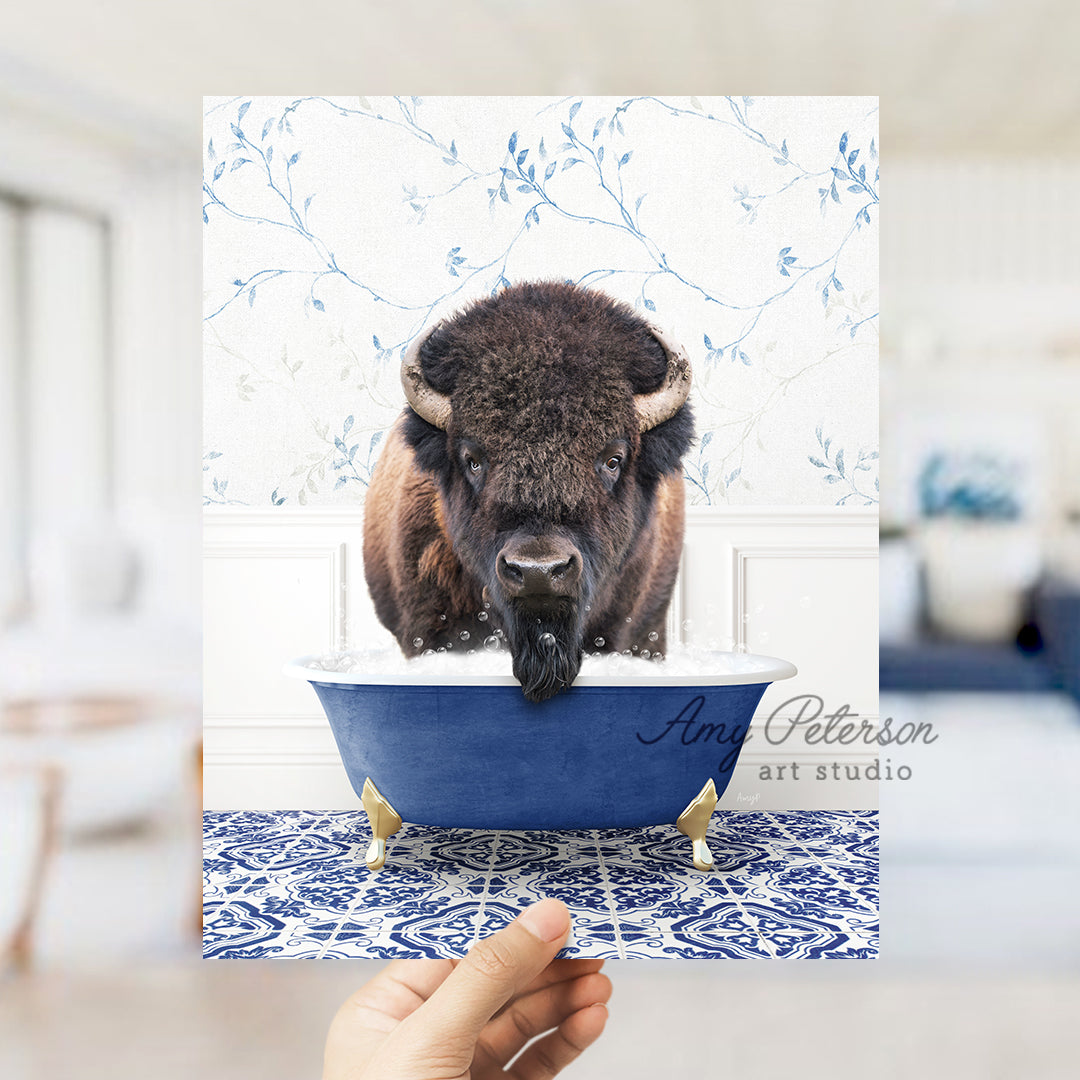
[[472, 462], [609, 463]]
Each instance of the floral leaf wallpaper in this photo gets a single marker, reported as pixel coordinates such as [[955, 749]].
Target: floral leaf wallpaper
[[336, 229]]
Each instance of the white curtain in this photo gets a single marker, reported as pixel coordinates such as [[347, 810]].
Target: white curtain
[[55, 385], [11, 486]]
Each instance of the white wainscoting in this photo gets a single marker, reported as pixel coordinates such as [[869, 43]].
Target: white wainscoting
[[795, 582]]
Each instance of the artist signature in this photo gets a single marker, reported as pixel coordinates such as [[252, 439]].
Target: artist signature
[[805, 714]]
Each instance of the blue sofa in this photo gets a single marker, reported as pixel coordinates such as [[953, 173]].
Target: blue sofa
[[1045, 656]]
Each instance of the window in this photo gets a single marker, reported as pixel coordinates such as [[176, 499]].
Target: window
[[56, 459]]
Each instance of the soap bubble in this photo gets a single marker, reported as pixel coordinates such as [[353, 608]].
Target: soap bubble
[[627, 652], [482, 616], [629, 619], [449, 644], [599, 642], [547, 640], [441, 649], [588, 607], [417, 642], [493, 659], [653, 635], [464, 635], [634, 648], [471, 652], [442, 618], [497, 632]]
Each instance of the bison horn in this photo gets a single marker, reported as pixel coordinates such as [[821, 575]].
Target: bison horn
[[662, 404], [425, 400]]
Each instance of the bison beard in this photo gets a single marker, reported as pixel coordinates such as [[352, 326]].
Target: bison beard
[[538, 467], [547, 650]]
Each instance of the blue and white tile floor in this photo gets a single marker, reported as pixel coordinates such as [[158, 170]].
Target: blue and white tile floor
[[294, 884]]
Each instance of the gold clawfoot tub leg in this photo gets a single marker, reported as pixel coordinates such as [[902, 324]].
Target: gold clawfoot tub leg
[[694, 820], [385, 821]]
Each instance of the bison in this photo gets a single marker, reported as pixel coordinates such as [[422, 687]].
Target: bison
[[532, 491]]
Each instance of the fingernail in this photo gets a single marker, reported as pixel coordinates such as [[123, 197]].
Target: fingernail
[[546, 920]]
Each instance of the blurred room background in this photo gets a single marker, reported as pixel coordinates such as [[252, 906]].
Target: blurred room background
[[100, 110], [980, 545]]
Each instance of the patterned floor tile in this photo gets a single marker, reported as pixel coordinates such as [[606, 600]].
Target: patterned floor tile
[[236, 929], [448, 932], [753, 828], [795, 934], [236, 825], [828, 833], [294, 884], [725, 930]]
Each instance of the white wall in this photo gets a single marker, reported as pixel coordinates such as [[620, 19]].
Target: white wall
[[795, 582]]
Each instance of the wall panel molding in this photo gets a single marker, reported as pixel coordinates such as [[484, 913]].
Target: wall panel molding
[[332, 554], [743, 555]]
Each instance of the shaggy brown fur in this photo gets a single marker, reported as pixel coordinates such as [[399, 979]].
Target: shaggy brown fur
[[542, 379]]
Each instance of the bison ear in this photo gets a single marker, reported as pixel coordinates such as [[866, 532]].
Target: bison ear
[[429, 446], [428, 442], [664, 446], [436, 359], [650, 364]]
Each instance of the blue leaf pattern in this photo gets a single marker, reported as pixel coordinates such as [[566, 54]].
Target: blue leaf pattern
[[337, 228]]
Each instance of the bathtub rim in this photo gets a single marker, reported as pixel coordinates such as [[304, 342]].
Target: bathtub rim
[[776, 671]]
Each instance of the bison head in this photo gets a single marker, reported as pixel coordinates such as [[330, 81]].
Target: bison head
[[548, 415]]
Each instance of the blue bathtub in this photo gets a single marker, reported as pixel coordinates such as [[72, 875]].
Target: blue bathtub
[[471, 752]]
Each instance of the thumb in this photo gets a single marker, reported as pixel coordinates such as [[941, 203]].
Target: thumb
[[493, 972]]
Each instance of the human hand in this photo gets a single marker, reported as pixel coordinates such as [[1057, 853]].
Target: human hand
[[466, 1019]]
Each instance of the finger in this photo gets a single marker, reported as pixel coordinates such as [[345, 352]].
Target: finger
[[559, 971], [371, 1014], [420, 978], [541, 1011], [397, 991], [495, 970], [548, 1056]]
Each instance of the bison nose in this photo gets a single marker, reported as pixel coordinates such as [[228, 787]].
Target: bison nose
[[539, 574]]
